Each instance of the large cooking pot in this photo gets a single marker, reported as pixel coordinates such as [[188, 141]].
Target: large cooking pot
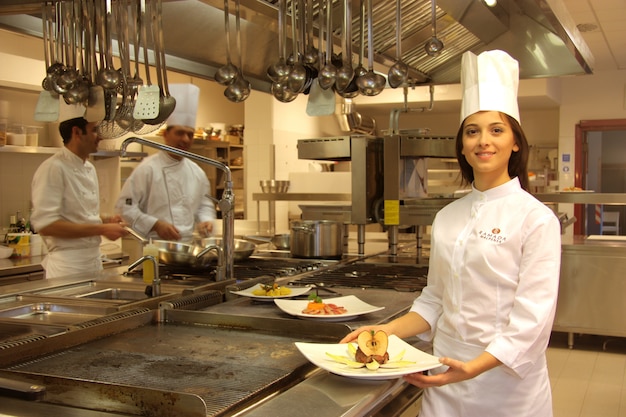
[[316, 239], [242, 249]]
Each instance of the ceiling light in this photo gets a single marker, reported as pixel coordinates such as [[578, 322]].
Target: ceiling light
[[491, 3]]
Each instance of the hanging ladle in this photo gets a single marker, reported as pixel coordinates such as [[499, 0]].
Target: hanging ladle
[[239, 89], [226, 74], [371, 83], [399, 72], [434, 45], [328, 73], [279, 88], [360, 70], [167, 103], [279, 71], [296, 81], [345, 74]]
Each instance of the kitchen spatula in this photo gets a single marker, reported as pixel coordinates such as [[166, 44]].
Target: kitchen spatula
[[321, 102], [47, 107], [148, 95]]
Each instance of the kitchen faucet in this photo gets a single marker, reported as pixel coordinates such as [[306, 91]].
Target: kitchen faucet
[[226, 203], [156, 280]]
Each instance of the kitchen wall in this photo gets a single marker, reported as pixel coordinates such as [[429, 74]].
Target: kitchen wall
[[21, 73], [550, 110]]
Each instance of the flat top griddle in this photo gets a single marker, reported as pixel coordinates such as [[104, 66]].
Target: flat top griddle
[[225, 367]]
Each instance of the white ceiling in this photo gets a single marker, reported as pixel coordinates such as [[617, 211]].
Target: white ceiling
[[602, 24]]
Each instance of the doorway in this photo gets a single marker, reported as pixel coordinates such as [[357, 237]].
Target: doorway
[[600, 155]]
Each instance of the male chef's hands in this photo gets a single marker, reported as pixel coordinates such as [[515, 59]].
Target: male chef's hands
[[113, 227], [205, 228], [166, 231]]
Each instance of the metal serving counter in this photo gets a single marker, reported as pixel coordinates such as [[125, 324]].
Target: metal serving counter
[[592, 287], [196, 353]]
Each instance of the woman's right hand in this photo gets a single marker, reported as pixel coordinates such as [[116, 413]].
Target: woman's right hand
[[355, 333]]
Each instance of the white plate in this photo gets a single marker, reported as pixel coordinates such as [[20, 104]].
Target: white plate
[[295, 291], [576, 191], [316, 353], [354, 307]]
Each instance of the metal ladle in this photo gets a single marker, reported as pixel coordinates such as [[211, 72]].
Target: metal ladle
[[296, 81], [311, 54], [239, 89], [108, 77], [279, 71], [399, 71], [167, 103], [328, 73], [370, 84], [434, 46], [227, 73], [360, 70], [345, 74]]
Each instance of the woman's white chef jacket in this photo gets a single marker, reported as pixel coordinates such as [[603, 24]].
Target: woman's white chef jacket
[[65, 187], [492, 286], [162, 187]]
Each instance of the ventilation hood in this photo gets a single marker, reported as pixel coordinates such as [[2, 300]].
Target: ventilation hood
[[538, 33]]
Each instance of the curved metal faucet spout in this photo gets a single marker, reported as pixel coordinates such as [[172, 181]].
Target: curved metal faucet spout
[[226, 203]]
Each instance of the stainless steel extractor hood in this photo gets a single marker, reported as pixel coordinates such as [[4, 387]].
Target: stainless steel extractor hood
[[538, 33]]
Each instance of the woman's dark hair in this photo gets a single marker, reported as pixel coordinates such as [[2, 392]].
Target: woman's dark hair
[[65, 128], [518, 163]]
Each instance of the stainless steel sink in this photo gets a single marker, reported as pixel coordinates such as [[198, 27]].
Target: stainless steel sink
[[114, 294], [20, 331], [56, 313]]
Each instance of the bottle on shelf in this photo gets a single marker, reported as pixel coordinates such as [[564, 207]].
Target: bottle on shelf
[[21, 223], [12, 224]]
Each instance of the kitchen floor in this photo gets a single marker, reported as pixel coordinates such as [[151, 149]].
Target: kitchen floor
[[590, 379]]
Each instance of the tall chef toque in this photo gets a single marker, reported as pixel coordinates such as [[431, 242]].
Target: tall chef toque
[[187, 96], [489, 82], [70, 111]]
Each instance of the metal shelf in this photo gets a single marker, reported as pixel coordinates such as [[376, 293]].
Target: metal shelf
[[583, 198]]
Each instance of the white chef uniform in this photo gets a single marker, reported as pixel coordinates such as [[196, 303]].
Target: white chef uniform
[[162, 187], [489, 287], [66, 188]]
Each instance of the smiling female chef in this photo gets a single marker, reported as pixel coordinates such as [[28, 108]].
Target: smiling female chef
[[494, 268]]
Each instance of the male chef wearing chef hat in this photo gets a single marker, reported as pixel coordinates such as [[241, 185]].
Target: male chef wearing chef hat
[[66, 202], [167, 196], [494, 267]]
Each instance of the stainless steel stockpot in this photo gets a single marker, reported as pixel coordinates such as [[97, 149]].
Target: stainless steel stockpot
[[316, 239]]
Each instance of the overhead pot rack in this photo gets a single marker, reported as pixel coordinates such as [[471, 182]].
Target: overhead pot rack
[[462, 25], [80, 74]]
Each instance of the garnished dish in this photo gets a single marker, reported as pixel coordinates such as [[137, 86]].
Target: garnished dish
[[264, 292], [273, 290], [318, 307], [374, 356], [575, 190], [330, 309]]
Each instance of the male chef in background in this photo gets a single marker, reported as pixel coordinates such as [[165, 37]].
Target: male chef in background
[[66, 201], [167, 196]]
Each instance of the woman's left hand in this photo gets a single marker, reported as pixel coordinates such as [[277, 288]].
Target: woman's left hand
[[457, 371]]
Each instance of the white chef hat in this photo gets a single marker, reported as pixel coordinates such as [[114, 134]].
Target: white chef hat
[[187, 96], [489, 82], [70, 111]]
